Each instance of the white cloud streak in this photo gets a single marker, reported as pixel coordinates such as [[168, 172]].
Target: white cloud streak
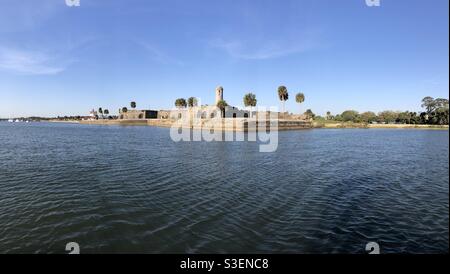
[[28, 62], [158, 55], [239, 49]]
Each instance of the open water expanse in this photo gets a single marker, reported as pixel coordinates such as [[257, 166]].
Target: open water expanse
[[118, 189]]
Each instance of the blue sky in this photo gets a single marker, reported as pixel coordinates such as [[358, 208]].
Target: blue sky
[[60, 60]]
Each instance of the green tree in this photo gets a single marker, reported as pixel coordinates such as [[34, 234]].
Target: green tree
[[283, 95], [329, 116], [388, 116], [368, 117], [250, 101], [441, 103], [300, 98], [350, 116], [192, 102], [309, 114], [428, 103], [441, 116], [180, 103], [124, 109], [414, 118], [436, 111], [133, 105], [222, 104], [404, 117]]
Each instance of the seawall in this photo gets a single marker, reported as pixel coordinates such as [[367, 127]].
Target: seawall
[[226, 124]]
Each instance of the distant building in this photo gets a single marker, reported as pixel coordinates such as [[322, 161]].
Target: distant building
[[93, 115], [207, 112], [134, 114]]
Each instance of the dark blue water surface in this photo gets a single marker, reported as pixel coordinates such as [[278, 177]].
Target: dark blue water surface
[[132, 189]]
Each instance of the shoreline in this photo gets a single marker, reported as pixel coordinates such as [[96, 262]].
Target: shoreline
[[379, 126], [314, 125]]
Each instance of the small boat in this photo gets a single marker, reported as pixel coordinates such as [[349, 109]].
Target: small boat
[[10, 121]]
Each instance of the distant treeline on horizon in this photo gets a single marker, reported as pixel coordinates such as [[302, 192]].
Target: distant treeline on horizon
[[436, 113]]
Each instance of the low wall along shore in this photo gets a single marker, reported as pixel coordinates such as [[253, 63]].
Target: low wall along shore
[[227, 124]]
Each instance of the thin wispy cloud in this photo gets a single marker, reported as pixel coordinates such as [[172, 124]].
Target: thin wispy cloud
[[158, 55], [28, 62], [270, 49], [261, 47], [34, 60]]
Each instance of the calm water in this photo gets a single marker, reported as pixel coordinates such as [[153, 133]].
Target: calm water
[[131, 189]]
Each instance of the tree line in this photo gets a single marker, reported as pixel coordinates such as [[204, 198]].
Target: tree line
[[436, 113]]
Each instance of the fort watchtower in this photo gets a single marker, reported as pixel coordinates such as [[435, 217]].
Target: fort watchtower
[[219, 94]]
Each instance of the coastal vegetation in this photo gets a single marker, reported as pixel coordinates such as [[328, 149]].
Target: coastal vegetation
[[192, 102], [250, 100], [180, 103], [283, 95], [436, 112], [300, 98], [222, 104], [309, 114]]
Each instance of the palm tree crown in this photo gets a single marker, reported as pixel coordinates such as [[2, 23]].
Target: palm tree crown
[[222, 104], [192, 102], [283, 93], [300, 98], [180, 103], [250, 100]]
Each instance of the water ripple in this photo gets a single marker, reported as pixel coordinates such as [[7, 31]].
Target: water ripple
[[117, 190]]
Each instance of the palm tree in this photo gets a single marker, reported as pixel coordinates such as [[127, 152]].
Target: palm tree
[[250, 101], [180, 103], [309, 114], [106, 112], [222, 104], [100, 111], [283, 95], [300, 98], [328, 115], [133, 105], [124, 109], [192, 102]]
